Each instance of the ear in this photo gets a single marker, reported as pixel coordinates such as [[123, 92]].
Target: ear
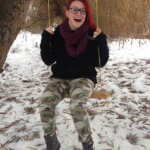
[[67, 13]]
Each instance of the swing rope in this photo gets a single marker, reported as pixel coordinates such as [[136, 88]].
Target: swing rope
[[99, 57], [49, 17], [98, 47]]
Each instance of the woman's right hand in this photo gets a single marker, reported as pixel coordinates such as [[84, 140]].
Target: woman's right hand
[[50, 30]]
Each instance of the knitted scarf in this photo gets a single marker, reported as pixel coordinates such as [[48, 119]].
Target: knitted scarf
[[75, 40]]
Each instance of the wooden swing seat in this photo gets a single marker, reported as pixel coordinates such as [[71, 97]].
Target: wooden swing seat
[[102, 94]]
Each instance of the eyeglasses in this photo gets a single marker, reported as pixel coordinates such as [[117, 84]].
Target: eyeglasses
[[75, 10]]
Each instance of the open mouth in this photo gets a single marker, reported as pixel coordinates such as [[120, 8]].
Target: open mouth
[[78, 20]]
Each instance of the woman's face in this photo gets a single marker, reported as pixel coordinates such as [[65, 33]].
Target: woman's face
[[76, 15]]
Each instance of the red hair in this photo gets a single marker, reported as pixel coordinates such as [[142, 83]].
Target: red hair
[[88, 15]]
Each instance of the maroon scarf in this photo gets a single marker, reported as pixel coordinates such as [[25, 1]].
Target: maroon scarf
[[75, 40]]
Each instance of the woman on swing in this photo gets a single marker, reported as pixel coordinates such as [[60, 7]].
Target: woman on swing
[[72, 51]]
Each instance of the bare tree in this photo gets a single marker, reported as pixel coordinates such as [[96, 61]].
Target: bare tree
[[31, 15], [12, 17]]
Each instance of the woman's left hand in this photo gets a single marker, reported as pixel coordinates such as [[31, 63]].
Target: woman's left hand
[[97, 32]]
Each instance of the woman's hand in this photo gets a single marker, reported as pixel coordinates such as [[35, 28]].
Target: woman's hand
[[50, 30], [97, 32]]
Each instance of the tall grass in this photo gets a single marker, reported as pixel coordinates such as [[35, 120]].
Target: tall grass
[[124, 18], [117, 18]]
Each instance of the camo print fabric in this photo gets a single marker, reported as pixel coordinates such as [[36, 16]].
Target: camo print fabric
[[80, 91]]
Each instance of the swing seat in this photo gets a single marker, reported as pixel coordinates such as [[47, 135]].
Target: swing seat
[[102, 94]]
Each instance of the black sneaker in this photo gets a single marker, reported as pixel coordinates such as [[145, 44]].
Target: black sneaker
[[88, 146], [52, 142]]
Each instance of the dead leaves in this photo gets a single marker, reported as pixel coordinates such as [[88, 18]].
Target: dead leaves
[[8, 126], [30, 110], [121, 116], [148, 62], [32, 136], [1, 97], [147, 136], [91, 112], [132, 138], [11, 99], [7, 110], [27, 81]]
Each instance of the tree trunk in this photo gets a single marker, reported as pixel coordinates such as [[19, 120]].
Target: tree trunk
[[12, 18]]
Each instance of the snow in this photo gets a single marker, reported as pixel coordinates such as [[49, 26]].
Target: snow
[[122, 124]]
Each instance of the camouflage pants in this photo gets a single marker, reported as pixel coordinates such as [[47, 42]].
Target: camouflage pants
[[80, 91]]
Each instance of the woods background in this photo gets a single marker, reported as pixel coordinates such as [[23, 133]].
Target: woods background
[[117, 18]]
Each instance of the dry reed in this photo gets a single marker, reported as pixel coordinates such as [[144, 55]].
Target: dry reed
[[118, 19]]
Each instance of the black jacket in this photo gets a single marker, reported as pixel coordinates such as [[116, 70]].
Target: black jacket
[[53, 52]]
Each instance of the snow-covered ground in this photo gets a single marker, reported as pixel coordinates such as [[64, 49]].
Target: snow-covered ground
[[122, 124]]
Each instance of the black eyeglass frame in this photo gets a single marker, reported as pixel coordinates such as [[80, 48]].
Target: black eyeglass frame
[[75, 10]]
